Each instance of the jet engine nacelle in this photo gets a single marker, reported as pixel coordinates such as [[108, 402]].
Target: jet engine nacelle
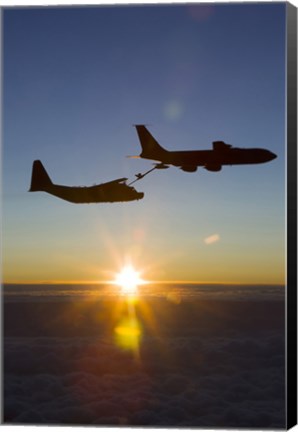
[[213, 168], [189, 168]]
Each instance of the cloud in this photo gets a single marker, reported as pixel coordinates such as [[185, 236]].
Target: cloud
[[212, 239], [187, 375]]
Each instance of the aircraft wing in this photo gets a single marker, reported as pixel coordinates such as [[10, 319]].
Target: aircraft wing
[[120, 180]]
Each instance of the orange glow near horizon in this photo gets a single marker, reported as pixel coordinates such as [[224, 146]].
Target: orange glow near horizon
[[153, 282], [207, 266]]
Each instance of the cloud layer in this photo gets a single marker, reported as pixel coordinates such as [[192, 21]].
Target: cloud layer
[[194, 368]]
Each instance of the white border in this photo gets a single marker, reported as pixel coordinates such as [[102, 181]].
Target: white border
[[26, 3]]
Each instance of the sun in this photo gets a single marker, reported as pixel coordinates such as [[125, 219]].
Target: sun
[[129, 280]]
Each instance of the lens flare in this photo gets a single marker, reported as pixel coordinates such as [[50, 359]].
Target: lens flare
[[128, 333]]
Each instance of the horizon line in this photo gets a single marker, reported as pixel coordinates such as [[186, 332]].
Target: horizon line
[[151, 282]]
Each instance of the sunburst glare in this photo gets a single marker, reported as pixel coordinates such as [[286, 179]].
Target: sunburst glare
[[129, 279]]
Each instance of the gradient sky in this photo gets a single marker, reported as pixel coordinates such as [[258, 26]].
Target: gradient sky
[[77, 79]]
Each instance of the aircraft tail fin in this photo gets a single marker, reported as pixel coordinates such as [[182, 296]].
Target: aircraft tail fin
[[40, 179], [150, 147]]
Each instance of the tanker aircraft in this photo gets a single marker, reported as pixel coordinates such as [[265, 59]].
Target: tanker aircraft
[[211, 160], [113, 191]]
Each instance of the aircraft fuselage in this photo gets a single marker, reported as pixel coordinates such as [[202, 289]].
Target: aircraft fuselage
[[212, 160], [234, 156], [112, 191], [94, 194]]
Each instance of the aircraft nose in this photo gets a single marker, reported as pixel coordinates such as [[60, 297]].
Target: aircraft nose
[[272, 156]]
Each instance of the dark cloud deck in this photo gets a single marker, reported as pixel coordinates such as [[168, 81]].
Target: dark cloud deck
[[200, 363]]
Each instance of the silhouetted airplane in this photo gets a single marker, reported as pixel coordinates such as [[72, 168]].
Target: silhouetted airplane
[[112, 191], [212, 160]]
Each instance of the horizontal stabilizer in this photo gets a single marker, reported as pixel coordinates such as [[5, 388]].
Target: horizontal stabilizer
[[161, 166]]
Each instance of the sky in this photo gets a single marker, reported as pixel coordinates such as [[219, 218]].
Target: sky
[[76, 80]]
